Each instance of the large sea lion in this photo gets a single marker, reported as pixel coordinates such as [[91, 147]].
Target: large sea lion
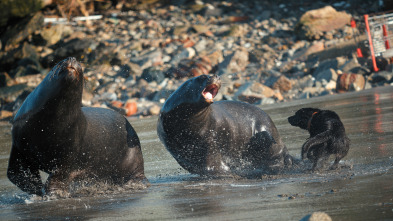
[[224, 138], [53, 133]]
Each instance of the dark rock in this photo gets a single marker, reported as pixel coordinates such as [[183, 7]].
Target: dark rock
[[16, 9], [73, 48], [10, 59], [162, 95], [381, 77], [24, 70], [5, 80], [360, 70], [20, 31], [328, 64], [125, 71], [15, 105], [153, 74], [327, 75]]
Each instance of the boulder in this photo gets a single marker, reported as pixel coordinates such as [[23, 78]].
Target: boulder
[[20, 31], [314, 23], [350, 82], [253, 92]]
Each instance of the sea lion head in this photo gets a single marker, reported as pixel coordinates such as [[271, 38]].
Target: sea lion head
[[69, 70], [210, 85], [63, 83], [196, 93]]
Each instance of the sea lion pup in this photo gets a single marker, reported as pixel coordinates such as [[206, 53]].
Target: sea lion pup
[[225, 138], [327, 135], [53, 133]]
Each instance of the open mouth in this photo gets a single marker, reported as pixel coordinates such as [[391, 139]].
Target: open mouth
[[210, 92]]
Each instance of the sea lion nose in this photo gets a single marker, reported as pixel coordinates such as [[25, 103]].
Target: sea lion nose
[[74, 66]]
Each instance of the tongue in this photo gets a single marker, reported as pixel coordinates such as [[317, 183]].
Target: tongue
[[208, 96]]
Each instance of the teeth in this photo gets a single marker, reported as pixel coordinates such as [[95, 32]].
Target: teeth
[[208, 96]]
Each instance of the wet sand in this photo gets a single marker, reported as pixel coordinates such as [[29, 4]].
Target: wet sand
[[361, 190]]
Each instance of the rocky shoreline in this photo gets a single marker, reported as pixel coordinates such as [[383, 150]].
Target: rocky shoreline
[[265, 52]]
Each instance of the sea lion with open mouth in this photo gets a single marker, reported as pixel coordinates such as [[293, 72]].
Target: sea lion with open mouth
[[53, 133], [224, 138]]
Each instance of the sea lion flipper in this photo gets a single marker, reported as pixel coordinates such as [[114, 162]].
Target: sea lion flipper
[[23, 174]]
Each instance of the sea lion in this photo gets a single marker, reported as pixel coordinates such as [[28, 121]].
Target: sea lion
[[53, 133], [224, 138], [327, 136]]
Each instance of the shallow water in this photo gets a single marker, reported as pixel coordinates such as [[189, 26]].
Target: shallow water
[[361, 190]]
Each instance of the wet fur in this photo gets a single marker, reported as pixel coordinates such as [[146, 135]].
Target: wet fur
[[327, 135], [51, 132], [224, 138]]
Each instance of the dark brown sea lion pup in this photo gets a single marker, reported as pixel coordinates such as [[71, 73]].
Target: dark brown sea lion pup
[[225, 138], [327, 135], [51, 132]]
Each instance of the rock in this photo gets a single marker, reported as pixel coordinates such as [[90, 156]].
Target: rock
[[162, 95], [52, 34], [349, 65], [186, 53], [75, 47], [108, 96], [10, 59], [236, 62], [10, 94], [313, 23], [153, 74], [20, 31], [5, 80], [154, 110], [152, 58], [215, 57], [131, 108], [331, 85], [253, 92], [316, 46], [327, 75], [306, 81], [235, 31], [192, 68], [381, 78], [283, 84], [350, 82], [317, 216], [4, 114], [328, 64]]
